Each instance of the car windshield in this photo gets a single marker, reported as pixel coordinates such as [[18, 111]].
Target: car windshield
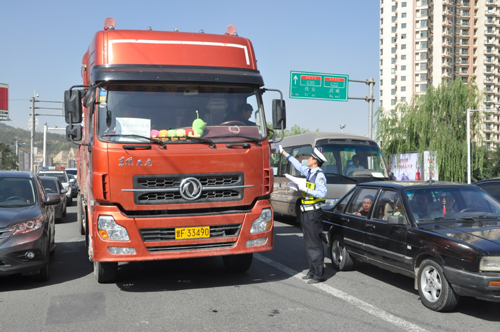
[[177, 113], [16, 192], [353, 160], [452, 203], [61, 176]]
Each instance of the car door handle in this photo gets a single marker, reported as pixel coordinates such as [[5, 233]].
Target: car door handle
[[345, 219], [370, 226]]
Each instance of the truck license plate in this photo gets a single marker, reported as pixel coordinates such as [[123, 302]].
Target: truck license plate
[[192, 232]]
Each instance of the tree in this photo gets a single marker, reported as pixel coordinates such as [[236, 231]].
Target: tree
[[295, 130], [437, 122], [9, 159]]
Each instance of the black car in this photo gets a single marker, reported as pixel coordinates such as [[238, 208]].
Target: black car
[[491, 186], [27, 230], [445, 235], [53, 186]]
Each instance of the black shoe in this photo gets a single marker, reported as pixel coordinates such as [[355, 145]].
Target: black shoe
[[307, 277], [315, 281]]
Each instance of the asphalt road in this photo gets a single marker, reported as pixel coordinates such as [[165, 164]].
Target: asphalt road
[[199, 295]]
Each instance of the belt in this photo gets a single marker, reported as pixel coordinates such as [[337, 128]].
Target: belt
[[310, 207]]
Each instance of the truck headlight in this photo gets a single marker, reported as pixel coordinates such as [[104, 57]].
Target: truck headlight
[[109, 230], [263, 222], [490, 263]]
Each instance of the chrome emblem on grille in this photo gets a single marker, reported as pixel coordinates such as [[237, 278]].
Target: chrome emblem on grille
[[190, 188]]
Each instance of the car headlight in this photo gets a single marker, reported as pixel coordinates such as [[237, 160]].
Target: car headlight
[[263, 222], [490, 263], [27, 226], [109, 230], [331, 201]]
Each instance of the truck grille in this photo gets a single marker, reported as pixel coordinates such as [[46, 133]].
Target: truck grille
[[192, 247], [215, 188], [167, 234]]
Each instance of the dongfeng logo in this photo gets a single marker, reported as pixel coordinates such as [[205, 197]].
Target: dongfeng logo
[[190, 188]]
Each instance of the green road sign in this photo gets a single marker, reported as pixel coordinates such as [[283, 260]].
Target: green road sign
[[306, 85]]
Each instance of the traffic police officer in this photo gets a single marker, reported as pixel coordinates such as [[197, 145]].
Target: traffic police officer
[[313, 197]]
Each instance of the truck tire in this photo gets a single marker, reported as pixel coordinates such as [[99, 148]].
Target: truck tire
[[80, 214], [105, 272], [237, 263], [434, 289], [341, 259]]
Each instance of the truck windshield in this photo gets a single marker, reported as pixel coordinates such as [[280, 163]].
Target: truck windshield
[[354, 160], [174, 112]]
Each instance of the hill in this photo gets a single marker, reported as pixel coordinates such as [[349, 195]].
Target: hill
[[55, 142]]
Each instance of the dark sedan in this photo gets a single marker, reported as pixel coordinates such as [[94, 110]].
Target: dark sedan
[[491, 186], [445, 235], [27, 227], [53, 186]]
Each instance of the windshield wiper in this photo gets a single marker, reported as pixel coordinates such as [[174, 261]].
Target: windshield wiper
[[153, 140], [199, 139], [342, 176], [436, 218], [253, 139]]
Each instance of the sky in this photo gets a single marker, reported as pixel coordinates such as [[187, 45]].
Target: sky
[[42, 45]]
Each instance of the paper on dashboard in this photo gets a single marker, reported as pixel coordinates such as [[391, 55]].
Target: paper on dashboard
[[296, 182]]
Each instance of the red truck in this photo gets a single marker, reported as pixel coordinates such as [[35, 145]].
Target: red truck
[[174, 156]]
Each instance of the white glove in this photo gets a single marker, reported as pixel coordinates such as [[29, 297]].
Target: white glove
[[302, 187], [278, 148]]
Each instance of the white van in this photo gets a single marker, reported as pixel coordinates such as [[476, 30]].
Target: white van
[[340, 171]]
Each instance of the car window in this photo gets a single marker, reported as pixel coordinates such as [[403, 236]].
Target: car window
[[342, 204], [17, 191], [389, 203], [363, 202], [50, 186]]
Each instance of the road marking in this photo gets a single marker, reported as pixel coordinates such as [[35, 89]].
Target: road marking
[[372, 310]]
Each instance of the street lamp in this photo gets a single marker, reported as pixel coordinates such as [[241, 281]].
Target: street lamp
[[468, 142]]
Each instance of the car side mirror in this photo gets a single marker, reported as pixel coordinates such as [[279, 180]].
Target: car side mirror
[[52, 200], [396, 220], [71, 180]]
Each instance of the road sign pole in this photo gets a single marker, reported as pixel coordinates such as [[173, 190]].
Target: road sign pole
[[32, 134], [371, 83]]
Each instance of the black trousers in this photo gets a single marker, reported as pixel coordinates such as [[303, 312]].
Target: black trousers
[[312, 227]]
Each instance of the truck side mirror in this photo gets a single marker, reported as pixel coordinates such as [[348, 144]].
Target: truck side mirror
[[74, 132], [279, 114], [73, 106]]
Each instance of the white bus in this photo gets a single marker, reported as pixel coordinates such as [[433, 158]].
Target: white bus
[[341, 172]]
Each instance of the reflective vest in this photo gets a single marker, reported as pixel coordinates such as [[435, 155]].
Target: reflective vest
[[310, 184]]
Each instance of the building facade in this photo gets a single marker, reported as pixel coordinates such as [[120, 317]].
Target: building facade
[[423, 42]]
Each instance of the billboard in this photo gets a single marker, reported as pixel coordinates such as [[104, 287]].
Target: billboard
[[4, 102], [414, 166]]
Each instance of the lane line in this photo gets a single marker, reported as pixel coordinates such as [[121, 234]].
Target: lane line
[[372, 310]]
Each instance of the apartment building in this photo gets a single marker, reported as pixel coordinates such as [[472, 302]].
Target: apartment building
[[423, 42]]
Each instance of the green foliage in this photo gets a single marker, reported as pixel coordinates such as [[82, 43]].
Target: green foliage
[[9, 160], [437, 121], [55, 142], [295, 130]]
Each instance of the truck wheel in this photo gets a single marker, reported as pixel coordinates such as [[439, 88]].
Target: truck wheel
[[79, 214], [105, 272], [434, 289], [341, 259], [237, 263]]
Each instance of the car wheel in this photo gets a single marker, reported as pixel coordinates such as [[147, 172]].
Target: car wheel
[[341, 259], [105, 272], [64, 212], [79, 215], [70, 202], [44, 273], [434, 289], [237, 263]]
